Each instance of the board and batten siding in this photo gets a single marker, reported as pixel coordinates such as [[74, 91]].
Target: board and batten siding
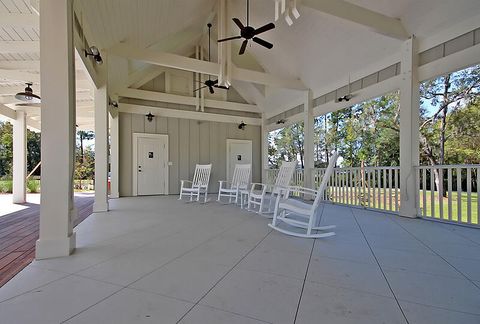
[[189, 142]]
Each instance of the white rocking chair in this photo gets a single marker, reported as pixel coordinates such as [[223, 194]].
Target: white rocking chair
[[300, 214], [260, 192], [240, 181], [199, 185]]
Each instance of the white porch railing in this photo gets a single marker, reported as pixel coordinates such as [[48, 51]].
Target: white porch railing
[[453, 197], [456, 200], [369, 187]]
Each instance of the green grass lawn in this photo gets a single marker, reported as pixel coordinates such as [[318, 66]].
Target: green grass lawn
[[381, 200]]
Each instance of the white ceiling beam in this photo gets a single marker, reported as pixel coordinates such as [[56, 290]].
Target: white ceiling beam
[[19, 46], [19, 20], [195, 115], [378, 22], [20, 65], [142, 76], [7, 112], [187, 100], [204, 67]]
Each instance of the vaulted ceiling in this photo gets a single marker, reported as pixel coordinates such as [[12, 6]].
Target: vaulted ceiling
[[320, 49]]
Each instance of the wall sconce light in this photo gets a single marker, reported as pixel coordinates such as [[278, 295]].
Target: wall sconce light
[[113, 103], [150, 116], [93, 51], [281, 121], [242, 125]]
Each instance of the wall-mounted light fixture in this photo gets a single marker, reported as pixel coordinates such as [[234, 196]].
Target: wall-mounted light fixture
[[95, 53], [281, 121], [150, 116], [242, 125], [113, 103]]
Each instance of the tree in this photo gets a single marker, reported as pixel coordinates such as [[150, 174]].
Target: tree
[[447, 94], [84, 136], [6, 149]]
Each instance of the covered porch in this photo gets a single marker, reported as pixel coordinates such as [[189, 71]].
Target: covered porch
[[215, 263]]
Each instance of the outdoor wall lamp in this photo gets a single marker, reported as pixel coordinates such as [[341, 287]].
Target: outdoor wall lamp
[[150, 116], [281, 121], [242, 126], [93, 51]]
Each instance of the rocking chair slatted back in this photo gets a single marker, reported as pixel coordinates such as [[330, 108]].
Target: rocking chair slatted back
[[241, 176], [285, 174], [202, 175], [325, 179]]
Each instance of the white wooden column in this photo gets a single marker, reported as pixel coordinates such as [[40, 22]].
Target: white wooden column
[[308, 129], [101, 150], [19, 157], [57, 63], [409, 128], [114, 155], [264, 149]]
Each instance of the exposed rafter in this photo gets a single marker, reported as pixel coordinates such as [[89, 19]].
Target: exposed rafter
[[187, 100], [378, 22], [204, 67], [19, 46], [19, 20]]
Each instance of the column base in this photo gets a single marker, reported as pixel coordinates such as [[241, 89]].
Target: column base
[[100, 207], [19, 199], [408, 212], [114, 195], [46, 249]]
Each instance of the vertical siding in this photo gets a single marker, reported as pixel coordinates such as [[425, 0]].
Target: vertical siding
[[190, 142]]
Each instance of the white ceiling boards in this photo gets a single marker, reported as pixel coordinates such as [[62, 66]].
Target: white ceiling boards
[[330, 40]]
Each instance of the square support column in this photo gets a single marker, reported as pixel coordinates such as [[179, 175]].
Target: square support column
[[101, 150], [20, 158], [309, 134], [114, 155], [409, 128], [57, 62], [264, 149]]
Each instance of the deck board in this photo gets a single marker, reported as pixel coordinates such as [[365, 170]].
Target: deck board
[[19, 232]]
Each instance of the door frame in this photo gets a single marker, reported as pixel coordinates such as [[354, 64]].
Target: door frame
[[135, 138], [238, 141]]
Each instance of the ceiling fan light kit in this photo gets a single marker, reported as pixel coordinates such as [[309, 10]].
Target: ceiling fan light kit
[[250, 33]]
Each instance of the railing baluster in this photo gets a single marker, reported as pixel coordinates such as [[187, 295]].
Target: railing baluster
[[369, 177], [459, 195], [379, 191], [396, 189], [390, 189], [440, 192], [432, 192], [347, 186], [424, 187], [384, 189], [478, 198], [469, 195], [374, 189], [449, 185]]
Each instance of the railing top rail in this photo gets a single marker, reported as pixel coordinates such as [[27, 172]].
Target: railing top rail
[[452, 166]]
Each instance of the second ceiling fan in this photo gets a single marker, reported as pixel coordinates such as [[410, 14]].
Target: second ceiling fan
[[248, 32]]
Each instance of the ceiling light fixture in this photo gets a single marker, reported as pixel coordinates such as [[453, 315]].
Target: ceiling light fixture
[[93, 51], [28, 95]]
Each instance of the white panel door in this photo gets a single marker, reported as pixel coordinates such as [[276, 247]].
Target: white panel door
[[152, 162], [238, 152]]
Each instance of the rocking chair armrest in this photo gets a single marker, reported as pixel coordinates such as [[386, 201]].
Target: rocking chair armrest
[[182, 182], [256, 184]]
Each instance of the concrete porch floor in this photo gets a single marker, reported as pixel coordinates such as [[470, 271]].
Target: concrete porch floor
[[158, 260]]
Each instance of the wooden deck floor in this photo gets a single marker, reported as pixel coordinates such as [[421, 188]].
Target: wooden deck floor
[[19, 232]]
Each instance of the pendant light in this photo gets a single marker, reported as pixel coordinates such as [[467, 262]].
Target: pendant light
[[28, 95]]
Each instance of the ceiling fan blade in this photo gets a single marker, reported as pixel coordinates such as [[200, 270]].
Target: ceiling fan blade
[[262, 42], [264, 28], [238, 23], [199, 88], [215, 81], [228, 38], [222, 87], [243, 48], [211, 90]]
